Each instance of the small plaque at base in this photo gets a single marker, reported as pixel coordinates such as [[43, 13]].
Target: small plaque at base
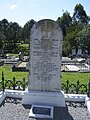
[[40, 111]]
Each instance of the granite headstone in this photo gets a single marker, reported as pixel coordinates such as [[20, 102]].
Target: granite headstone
[[45, 56], [44, 83]]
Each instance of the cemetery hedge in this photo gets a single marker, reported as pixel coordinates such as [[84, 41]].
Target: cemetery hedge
[[73, 77]]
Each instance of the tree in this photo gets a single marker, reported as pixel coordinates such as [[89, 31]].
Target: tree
[[64, 21], [83, 38], [3, 32], [4, 27], [13, 31], [26, 30], [80, 14], [2, 39], [12, 36], [70, 40]]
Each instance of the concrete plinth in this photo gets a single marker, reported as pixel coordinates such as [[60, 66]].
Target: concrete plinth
[[44, 98]]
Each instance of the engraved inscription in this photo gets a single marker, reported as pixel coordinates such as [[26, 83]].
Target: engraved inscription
[[46, 44], [45, 56]]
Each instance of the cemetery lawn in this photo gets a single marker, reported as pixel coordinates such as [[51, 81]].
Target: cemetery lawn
[[73, 77], [8, 74], [24, 45], [10, 54]]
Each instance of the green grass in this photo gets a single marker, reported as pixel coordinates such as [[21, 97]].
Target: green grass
[[16, 55], [24, 45], [8, 74], [73, 77], [24, 48]]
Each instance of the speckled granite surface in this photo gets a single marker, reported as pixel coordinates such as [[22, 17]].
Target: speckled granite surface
[[12, 109]]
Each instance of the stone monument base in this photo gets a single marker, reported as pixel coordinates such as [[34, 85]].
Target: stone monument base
[[44, 98]]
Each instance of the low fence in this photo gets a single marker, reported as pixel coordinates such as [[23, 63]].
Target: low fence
[[67, 87], [77, 88], [12, 84]]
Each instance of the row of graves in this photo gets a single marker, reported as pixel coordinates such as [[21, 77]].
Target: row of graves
[[44, 95], [19, 63], [75, 65], [80, 61], [79, 53]]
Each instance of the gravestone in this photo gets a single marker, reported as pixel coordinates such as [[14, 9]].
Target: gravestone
[[2, 54], [21, 56], [85, 54], [44, 85], [73, 51], [45, 56], [79, 52]]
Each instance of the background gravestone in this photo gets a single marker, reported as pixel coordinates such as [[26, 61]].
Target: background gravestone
[[73, 51], [21, 56], [79, 52]]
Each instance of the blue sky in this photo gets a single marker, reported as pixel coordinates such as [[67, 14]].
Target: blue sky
[[21, 11]]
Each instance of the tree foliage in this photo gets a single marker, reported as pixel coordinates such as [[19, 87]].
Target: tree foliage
[[26, 30], [64, 21], [12, 33], [83, 38], [76, 31], [80, 14], [2, 39]]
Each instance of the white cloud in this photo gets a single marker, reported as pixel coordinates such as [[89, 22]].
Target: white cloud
[[9, 6], [13, 6]]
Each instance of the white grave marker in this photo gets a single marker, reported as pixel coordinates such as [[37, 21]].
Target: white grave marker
[[45, 56], [44, 86]]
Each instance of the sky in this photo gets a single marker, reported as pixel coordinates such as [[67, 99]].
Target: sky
[[21, 11]]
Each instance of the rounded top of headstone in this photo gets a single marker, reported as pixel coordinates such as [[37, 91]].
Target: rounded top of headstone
[[47, 20], [47, 24]]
